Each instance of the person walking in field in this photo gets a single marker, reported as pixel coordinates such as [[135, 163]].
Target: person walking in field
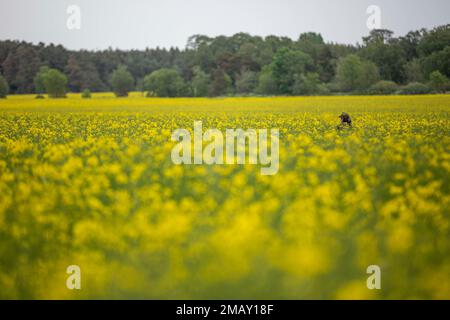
[[345, 120]]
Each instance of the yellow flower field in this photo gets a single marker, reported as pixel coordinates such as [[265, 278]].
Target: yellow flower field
[[90, 182]]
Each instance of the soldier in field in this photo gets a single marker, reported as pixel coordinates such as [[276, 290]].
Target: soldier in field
[[345, 121]]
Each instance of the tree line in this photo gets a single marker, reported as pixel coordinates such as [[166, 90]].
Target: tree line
[[418, 62]]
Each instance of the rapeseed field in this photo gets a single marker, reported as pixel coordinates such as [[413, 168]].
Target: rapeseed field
[[90, 182]]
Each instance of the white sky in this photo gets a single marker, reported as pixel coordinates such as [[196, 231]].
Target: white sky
[[129, 24]]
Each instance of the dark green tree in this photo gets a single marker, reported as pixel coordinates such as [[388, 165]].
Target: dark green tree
[[4, 87], [55, 82], [287, 65], [122, 81], [247, 81], [312, 44], [438, 60], [200, 83], [410, 44], [309, 84], [266, 82], [354, 74], [165, 83], [54, 56], [221, 84], [435, 40], [82, 74], [39, 81], [20, 67], [387, 53], [413, 71], [438, 82]]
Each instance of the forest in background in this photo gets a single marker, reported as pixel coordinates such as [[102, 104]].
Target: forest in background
[[242, 64]]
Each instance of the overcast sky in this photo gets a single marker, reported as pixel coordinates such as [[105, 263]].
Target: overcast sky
[[128, 24]]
